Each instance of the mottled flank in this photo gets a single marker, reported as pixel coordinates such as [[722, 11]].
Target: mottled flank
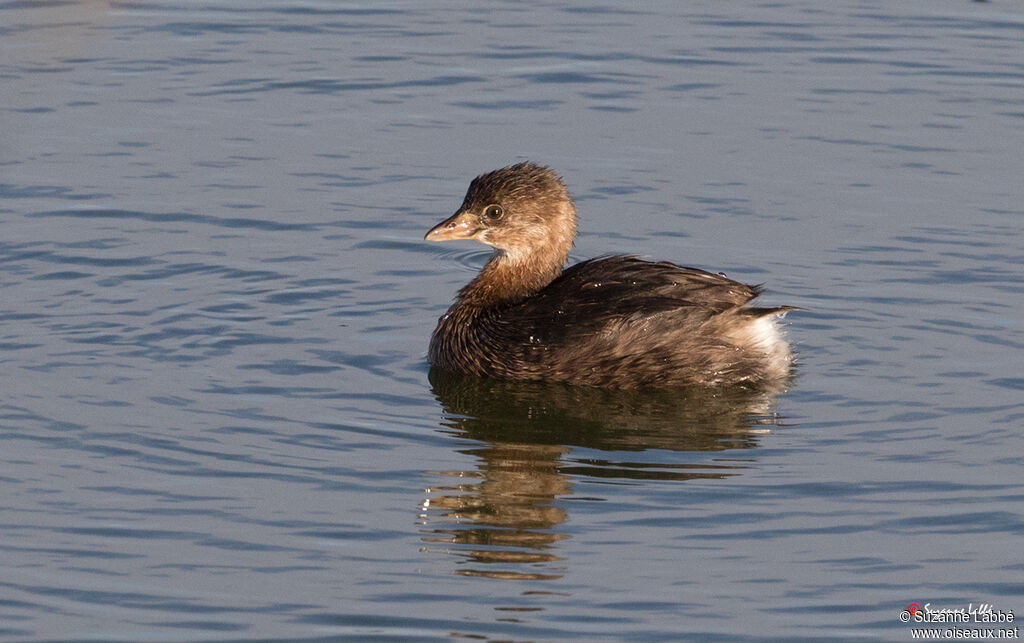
[[612, 321]]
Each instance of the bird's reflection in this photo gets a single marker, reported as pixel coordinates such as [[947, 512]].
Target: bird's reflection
[[502, 519]]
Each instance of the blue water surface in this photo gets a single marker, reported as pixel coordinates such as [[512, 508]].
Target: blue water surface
[[217, 422]]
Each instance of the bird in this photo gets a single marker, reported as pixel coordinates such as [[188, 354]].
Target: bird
[[613, 321]]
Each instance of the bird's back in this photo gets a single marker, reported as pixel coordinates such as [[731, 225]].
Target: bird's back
[[621, 321]]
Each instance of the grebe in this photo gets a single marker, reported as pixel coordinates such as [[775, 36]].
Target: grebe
[[615, 321]]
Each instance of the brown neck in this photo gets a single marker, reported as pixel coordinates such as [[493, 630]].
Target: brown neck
[[507, 280]]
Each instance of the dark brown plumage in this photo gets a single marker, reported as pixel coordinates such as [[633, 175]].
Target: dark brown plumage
[[611, 321]]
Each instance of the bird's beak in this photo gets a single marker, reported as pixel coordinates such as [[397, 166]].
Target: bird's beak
[[461, 225]]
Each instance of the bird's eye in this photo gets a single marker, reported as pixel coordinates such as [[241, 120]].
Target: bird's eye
[[493, 212]]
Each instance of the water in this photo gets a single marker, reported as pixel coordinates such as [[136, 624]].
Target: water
[[217, 419]]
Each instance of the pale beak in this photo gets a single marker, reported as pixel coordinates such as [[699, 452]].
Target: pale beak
[[461, 225]]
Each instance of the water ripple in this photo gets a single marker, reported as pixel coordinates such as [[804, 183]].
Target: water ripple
[[179, 217]]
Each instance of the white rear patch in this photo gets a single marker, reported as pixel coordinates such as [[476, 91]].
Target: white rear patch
[[763, 335]]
